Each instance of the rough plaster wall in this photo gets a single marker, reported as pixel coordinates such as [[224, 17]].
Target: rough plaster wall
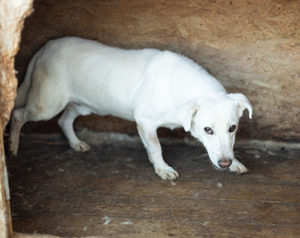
[[12, 15], [252, 47]]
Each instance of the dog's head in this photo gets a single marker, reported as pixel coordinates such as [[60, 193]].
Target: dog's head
[[214, 121]]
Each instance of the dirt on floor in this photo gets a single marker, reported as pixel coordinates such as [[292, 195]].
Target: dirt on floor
[[112, 191]]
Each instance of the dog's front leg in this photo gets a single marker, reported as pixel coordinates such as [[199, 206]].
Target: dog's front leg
[[150, 140]]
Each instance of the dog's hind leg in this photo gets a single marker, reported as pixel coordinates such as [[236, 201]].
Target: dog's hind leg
[[17, 121], [66, 123], [36, 111]]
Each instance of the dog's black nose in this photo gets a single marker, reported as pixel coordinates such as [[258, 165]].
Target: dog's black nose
[[224, 163]]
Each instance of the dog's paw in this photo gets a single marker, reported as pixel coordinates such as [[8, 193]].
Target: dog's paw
[[81, 146], [238, 167], [13, 151], [13, 146], [167, 173]]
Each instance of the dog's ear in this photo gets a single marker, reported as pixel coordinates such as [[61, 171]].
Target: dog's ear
[[186, 114], [242, 103]]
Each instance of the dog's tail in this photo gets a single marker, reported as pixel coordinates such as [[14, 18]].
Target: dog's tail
[[25, 86]]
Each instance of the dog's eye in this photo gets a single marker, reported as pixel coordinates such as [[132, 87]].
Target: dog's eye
[[208, 130], [232, 128]]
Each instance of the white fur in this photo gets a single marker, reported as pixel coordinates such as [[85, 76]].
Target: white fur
[[151, 87]]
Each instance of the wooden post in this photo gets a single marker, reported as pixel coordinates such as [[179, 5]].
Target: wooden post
[[12, 16]]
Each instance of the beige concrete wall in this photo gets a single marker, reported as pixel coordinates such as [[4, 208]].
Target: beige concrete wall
[[252, 47]]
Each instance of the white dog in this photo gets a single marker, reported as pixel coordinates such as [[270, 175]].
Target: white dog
[[151, 87]]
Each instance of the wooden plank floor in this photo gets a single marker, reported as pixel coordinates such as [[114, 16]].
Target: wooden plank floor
[[112, 191]]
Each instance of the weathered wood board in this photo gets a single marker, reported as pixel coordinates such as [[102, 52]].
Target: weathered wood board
[[112, 191]]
